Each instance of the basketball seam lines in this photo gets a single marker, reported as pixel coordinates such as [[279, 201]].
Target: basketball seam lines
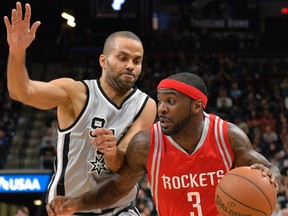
[[255, 186]]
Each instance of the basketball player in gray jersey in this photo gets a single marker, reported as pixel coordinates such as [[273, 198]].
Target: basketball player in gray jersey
[[82, 106]]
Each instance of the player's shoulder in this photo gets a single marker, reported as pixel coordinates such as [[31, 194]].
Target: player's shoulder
[[233, 128], [236, 134], [147, 97], [152, 103], [71, 86]]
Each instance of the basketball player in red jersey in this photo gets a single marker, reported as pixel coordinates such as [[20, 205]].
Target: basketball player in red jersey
[[185, 154]]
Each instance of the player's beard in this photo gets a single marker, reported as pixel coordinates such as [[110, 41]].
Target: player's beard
[[117, 82], [124, 84], [179, 125]]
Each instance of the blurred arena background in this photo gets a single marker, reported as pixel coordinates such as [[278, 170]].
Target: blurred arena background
[[239, 47]]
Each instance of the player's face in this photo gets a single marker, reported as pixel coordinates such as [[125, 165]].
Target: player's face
[[174, 111], [123, 65]]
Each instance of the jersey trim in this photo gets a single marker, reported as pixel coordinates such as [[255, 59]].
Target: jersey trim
[[142, 108], [109, 100], [81, 113], [60, 184], [136, 117], [156, 159], [222, 145]]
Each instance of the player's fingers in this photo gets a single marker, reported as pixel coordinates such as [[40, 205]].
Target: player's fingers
[[255, 166], [97, 132], [107, 148], [106, 139], [276, 186], [35, 27], [57, 203], [18, 11], [69, 206], [273, 180], [101, 131], [105, 145], [93, 141], [261, 167], [14, 18], [266, 172], [50, 210], [102, 138], [7, 22], [106, 136], [27, 16]]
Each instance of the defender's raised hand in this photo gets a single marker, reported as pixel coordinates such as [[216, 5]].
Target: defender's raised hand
[[19, 33]]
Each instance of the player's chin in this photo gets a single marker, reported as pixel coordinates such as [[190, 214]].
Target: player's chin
[[127, 86], [127, 83], [167, 131]]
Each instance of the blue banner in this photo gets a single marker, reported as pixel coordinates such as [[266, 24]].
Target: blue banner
[[24, 183]]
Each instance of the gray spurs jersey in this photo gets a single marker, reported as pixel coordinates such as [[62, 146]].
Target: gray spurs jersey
[[79, 166]]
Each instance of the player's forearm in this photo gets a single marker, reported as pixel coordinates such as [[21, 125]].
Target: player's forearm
[[17, 76], [90, 202], [114, 162], [101, 197]]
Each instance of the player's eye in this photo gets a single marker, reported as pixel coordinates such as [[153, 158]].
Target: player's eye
[[171, 101]]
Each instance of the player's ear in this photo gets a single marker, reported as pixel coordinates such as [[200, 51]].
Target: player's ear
[[198, 105], [102, 60]]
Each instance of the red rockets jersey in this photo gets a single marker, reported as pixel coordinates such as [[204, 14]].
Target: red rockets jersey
[[183, 184]]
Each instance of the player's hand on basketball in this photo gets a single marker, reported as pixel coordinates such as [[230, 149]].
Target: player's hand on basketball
[[266, 172], [105, 141], [61, 205], [19, 33]]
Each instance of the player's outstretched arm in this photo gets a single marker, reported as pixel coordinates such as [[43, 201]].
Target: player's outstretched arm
[[110, 191], [245, 155], [38, 94]]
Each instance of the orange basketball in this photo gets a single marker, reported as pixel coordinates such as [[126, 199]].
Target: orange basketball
[[245, 191]]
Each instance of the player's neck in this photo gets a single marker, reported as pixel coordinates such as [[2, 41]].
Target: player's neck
[[119, 98], [189, 137]]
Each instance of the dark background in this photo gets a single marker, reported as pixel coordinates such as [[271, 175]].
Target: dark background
[[261, 30], [95, 19]]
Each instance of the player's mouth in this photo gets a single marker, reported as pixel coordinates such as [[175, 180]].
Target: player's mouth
[[164, 122], [128, 78], [128, 75]]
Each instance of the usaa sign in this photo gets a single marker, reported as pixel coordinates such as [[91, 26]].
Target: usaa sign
[[24, 183]]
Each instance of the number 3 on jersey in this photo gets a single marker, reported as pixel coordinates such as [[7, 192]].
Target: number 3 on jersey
[[194, 199]]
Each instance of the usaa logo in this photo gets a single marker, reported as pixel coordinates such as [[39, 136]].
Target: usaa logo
[[19, 184]]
